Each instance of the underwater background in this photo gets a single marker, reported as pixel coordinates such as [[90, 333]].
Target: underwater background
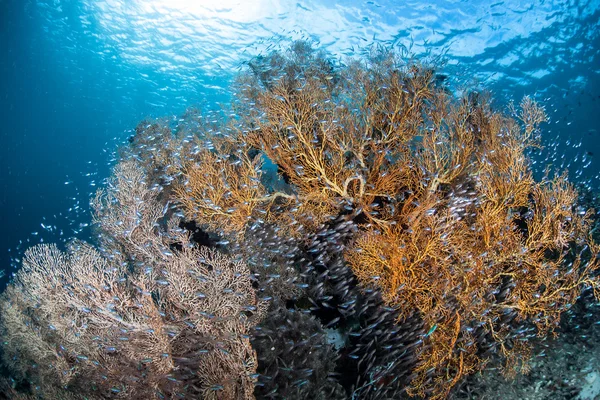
[[76, 77]]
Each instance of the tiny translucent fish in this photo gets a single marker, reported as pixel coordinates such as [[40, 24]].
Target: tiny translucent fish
[[300, 382], [433, 328]]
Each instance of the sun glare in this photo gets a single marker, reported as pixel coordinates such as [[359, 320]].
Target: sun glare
[[228, 10]]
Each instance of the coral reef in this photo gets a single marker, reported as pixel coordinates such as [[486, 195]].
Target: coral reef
[[347, 231], [450, 222], [136, 318]]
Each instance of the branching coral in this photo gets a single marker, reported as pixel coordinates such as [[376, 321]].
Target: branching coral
[[451, 223], [141, 320], [406, 218], [221, 191]]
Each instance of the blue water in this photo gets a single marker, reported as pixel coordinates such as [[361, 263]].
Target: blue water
[[77, 76]]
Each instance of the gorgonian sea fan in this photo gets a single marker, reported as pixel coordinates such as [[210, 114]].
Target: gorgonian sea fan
[[364, 197]]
